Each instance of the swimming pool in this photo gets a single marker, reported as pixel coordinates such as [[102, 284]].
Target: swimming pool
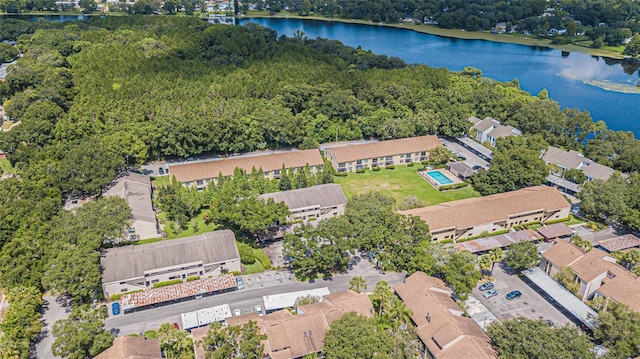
[[439, 177]]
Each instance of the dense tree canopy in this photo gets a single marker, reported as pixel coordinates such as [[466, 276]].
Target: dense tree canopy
[[525, 338], [356, 337], [81, 335], [232, 341]]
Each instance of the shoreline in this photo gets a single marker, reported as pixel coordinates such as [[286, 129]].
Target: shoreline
[[459, 34]]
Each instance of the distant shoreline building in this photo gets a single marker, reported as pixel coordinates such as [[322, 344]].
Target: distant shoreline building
[[489, 130]]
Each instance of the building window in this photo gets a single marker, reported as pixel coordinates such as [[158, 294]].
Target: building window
[[358, 162], [199, 182]]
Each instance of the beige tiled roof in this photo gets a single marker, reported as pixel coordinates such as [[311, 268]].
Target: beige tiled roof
[[440, 323], [128, 347], [576, 160], [562, 253], [189, 172], [384, 148], [293, 336], [592, 264], [623, 289], [468, 213]]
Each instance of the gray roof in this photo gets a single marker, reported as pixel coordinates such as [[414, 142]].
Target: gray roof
[[475, 146], [136, 190], [561, 182], [504, 131], [576, 160], [486, 124], [324, 195], [462, 168], [123, 263]]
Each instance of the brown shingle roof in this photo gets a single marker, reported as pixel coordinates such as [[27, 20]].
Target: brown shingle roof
[[384, 148], [324, 195], [553, 231], [189, 172], [132, 347], [562, 253], [623, 289], [440, 323], [592, 264], [620, 242], [468, 213]]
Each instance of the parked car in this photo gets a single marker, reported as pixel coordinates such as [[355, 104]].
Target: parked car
[[237, 312], [490, 293], [513, 294], [239, 283], [486, 286], [176, 326], [115, 308], [259, 310], [549, 322]]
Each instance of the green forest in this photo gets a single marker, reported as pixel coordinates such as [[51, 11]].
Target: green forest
[[100, 96]]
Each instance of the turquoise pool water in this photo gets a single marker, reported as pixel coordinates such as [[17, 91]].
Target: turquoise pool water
[[439, 177]]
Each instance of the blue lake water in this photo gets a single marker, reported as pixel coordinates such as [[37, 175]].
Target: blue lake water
[[573, 79]]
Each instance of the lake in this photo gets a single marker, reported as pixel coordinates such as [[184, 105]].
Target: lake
[[604, 87]]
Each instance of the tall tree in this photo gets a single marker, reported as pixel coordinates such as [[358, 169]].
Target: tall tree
[[81, 335], [226, 342], [619, 330], [357, 284], [527, 338], [356, 337], [175, 343], [521, 256], [496, 256]]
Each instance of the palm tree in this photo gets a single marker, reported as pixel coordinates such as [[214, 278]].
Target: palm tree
[[496, 256], [357, 284], [485, 261], [399, 314], [382, 296]]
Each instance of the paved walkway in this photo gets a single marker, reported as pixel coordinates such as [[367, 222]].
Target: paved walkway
[[54, 310]]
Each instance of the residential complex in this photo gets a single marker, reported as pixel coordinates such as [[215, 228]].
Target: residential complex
[[139, 267], [474, 216], [136, 190], [200, 173], [312, 203], [596, 272], [441, 324], [489, 130], [353, 157], [294, 336], [561, 161]]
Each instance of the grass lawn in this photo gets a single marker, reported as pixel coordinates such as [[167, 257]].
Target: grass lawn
[[256, 267], [399, 183], [6, 166], [160, 181], [202, 228], [574, 220]]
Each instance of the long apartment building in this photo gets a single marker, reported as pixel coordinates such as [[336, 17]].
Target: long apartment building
[[473, 216], [353, 157], [200, 173]]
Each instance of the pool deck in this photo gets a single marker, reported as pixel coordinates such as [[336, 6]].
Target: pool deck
[[454, 180]]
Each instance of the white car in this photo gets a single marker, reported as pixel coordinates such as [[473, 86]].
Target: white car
[[237, 312], [259, 310]]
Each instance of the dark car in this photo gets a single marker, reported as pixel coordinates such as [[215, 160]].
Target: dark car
[[115, 308], [549, 322], [486, 286], [513, 294], [176, 326]]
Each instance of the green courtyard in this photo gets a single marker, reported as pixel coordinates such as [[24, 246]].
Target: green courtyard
[[399, 183]]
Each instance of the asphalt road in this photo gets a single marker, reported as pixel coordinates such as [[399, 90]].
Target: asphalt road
[[245, 300]]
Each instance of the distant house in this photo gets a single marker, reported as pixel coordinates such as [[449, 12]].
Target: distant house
[[136, 190], [501, 28], [558, 31], [474, 216], [489, 130], [565, 160], [201, 173], [595, 271], [440, 323], [141, 266], [295, 336], [130, 347], [353, 157], [619, 243], [317, 202]]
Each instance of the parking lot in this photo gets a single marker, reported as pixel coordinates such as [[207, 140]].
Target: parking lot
[[530, 305], [268, 279]]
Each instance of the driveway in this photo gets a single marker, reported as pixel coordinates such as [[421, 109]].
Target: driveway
[[530, 305], [54, 310]]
